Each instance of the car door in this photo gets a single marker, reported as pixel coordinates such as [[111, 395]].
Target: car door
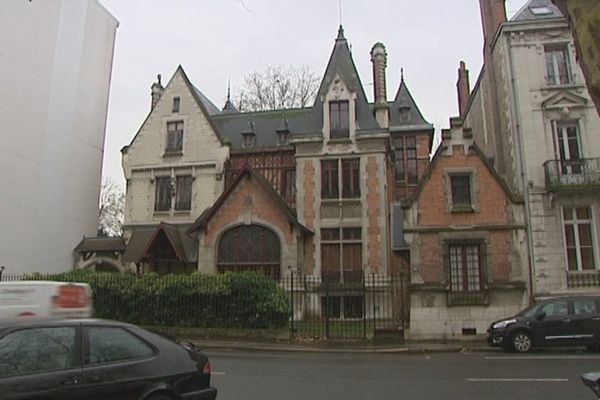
[[117, 364], [41, 362], [552, 323], [585, 321]]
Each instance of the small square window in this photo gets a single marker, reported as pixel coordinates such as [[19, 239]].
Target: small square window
[[176, 102], [461, 190]]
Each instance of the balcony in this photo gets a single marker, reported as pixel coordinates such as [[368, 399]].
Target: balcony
[[582, 174], [583, 279]]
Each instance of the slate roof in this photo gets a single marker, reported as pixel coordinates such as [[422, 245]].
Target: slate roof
[[526, 13], [100, 244], [209, 105], [405, 101]]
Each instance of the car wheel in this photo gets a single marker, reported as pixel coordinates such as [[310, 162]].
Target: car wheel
[[521, 342]]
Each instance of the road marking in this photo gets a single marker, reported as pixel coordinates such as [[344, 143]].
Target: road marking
[[533, 357], [516, 380], [218, 373]]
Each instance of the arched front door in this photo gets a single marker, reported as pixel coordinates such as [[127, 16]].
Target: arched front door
[[250, 248]]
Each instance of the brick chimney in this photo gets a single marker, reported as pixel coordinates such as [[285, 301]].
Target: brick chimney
[[463, 88], [493, 14], [379, 60], [157, 91]]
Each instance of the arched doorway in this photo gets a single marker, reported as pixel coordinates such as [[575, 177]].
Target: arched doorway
[[250, 248]]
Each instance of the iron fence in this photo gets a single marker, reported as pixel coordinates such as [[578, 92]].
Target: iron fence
[[307, 307]]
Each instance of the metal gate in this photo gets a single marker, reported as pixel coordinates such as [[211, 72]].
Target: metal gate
[[361, 309]]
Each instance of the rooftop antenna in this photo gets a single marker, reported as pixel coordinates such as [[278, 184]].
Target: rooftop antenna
[[340, 7], [228, 88], [401, 74]]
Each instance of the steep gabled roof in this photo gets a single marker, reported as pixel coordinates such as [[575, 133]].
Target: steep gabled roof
[[203, 220], [405, 101], [142, 239], [88, 244], [535, 10], [341, 64]]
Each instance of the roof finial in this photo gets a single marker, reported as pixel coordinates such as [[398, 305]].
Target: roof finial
[[158, 77], [401, 75], [228, 88], [340, 35], [340, 6]]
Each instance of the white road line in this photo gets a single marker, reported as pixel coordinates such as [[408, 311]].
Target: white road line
[[516, 380], [218, 373], [542, 357]]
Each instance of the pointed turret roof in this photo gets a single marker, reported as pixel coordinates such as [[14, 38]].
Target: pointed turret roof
[[341, 64], [229, 108], [404, 111]]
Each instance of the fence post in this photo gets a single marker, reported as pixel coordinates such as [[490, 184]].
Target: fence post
[[327, 306], [374, 311], [364, 310], [292, 305], [1, 271]]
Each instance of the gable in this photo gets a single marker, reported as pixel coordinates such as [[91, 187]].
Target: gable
[[201, 140]]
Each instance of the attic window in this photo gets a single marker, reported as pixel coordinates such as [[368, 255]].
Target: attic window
[[540, 10], [176, 102], [283, 137], [404, 114], [248, 139]]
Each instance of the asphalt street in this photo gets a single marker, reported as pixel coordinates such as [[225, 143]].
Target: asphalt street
[[243, 375]]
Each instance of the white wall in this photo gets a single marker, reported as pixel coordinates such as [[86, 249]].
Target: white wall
[[56, 59]]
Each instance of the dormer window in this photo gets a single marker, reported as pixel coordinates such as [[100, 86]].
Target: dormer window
[[248, 139], [282, 137], [176, 102], [404, 114], [339, 120]]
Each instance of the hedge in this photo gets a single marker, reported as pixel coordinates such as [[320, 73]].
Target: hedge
[[231, 300]]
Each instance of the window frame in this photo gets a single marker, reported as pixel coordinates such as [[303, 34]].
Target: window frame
[[341, 178], [175, 137], [406, 169], [463, 283], [341, 238], [551, 61], [576, 223], [176, 104], [187, 206], [339, 119], [159, 181], [565, 134], [457, 198]]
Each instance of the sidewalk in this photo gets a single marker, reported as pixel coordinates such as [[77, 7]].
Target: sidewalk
[[410, 347]]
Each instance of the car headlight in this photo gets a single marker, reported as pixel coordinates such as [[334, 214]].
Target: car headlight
[[504, 324]]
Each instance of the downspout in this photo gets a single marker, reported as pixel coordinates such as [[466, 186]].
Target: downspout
[[524, 179]]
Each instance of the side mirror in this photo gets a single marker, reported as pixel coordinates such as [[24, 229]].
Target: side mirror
[[540, 316]]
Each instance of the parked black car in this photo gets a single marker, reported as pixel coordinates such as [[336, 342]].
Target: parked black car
[[97, 359], [564, 321]]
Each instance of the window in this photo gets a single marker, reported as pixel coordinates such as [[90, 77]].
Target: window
[[183, 197], [341, 254], [584, 306], [250, 248], [162, 198], [283, 136], [176, 102], [109, 344], [405, 149], [567, 147], [465, 266], [555, 308], [350, 179], [329, 179], [579, 239], [248, 140], [557, 64], [34, 350], [339, 119], [174, 136], [461, 190], [289, 183]]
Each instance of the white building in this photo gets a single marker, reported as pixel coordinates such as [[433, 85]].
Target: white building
[[56, 59], [532, 115]]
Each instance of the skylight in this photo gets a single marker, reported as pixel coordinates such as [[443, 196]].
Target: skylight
[[540, 10]]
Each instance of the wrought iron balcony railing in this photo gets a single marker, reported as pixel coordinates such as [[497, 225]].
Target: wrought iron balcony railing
[[582, 174]]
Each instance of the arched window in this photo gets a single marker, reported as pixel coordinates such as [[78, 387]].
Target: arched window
[[250, 248]]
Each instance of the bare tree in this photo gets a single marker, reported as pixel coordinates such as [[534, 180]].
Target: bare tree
[[278, 87], [111, 209]]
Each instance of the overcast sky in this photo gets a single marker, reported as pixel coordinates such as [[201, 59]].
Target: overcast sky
[[215, 40]]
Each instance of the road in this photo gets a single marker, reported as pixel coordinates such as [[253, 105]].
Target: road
[[335, 376]]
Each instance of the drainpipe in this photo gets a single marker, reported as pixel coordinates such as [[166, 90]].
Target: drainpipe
[[524, 179]]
